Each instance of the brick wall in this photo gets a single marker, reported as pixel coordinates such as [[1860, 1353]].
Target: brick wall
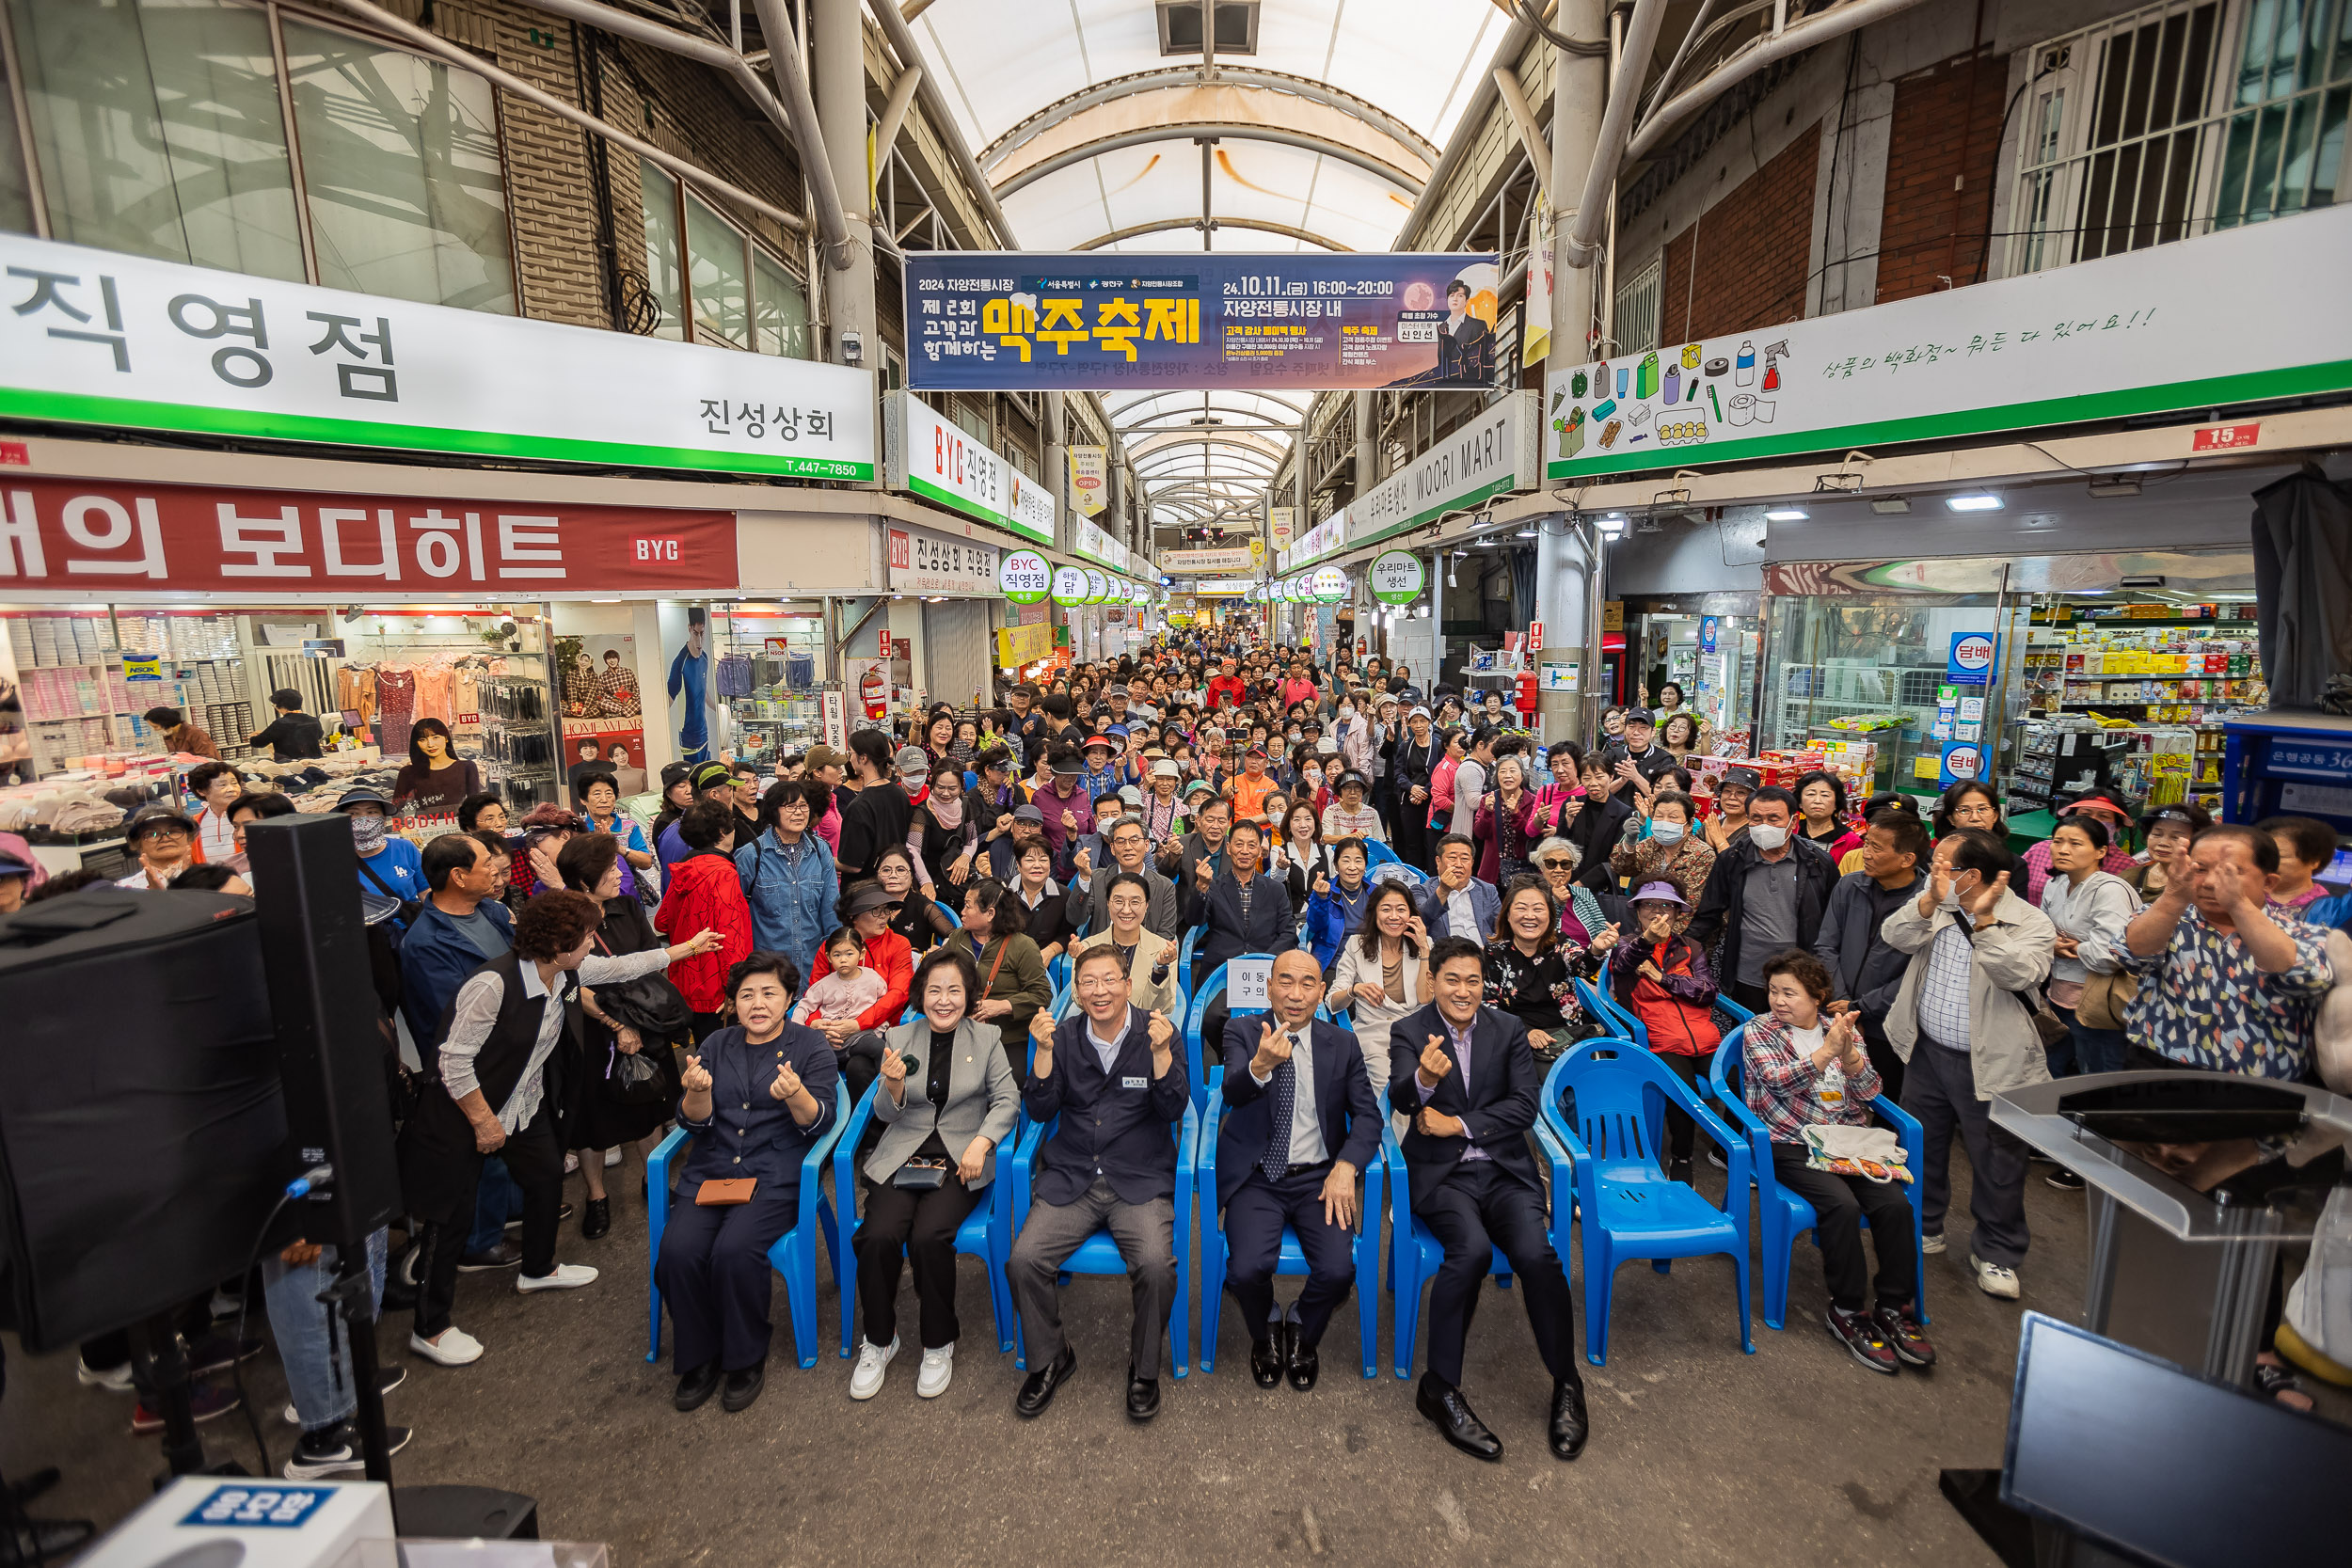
[[1752, 249], [1943, 155]]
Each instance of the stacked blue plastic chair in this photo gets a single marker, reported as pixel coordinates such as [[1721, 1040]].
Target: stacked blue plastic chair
[[1626, 1204], [794, 1255], [1415, 1255], [1784, 1215], [1202, 1057], [1099, 1253], [1292, 1259], [1184, 951], [985, 1233]]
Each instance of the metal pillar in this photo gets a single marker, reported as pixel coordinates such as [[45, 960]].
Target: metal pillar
[[839, 67], [1367, 457], [1057, 470]]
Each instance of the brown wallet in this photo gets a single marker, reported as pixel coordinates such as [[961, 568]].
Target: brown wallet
[[720, 1194]]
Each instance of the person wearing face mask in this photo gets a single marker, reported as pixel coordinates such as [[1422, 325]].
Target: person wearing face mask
[[1763, 895], [1670, 853], [1962, 1022], [388, 863]]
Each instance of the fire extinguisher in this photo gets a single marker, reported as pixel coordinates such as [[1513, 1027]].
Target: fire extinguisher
[[873, 689], [1364, 646]]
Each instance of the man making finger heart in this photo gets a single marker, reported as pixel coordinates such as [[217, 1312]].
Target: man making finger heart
[[1472, 1074], [1300, 1123]]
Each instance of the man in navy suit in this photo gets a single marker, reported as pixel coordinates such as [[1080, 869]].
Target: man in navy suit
[[1301, 1122], [1109, 1072], [1474, 1185]]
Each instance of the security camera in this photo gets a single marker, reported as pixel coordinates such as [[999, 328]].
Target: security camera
[[853, 349]]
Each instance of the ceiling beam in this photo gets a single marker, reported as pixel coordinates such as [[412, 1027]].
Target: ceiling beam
[[1216, 130], [1172, 78]]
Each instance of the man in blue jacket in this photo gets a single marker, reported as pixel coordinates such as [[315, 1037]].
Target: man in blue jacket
[[1109, 1072], [1301, 1123]]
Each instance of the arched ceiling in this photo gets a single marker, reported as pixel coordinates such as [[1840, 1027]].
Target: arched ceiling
[[1324, 135]]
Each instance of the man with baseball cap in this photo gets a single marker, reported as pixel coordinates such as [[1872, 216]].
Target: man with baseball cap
[[1025, 825], [711, 781], [164, 839]]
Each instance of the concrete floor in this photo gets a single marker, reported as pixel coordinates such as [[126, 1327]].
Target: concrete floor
[[1699, 1454]]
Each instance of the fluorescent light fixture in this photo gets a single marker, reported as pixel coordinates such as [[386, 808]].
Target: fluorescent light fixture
[[1890, 506], [1525, 533], [1787, 515], [1976, 500], [1612, 524]]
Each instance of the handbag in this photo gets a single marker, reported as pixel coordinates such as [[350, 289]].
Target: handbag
[[2047, 1026], [919, 1175], [722, 1194], [2103, 999], [1873, 1154], [635, 1078], [649, 1003]]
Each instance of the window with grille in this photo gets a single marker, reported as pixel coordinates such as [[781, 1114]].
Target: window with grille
[[2177, 118], [1634, 319]]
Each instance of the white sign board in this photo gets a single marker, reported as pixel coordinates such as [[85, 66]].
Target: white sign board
[[1246, 982], [98, 337], [1097, 544], [2148, 331], [922, 561], [1178, 562], [932, 456], [1493, 454]]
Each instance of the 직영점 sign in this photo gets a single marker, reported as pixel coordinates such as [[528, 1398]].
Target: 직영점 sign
[[932, 456], [2124, 335], [1110, 321], [100, 337], [106, 537]]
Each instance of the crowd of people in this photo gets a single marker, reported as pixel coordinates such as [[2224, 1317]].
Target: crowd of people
[[786, 939]]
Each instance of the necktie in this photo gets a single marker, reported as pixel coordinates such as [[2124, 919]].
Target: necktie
[[1277, 1158]]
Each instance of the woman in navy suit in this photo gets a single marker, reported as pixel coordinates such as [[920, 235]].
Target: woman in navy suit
[[758, 1097]]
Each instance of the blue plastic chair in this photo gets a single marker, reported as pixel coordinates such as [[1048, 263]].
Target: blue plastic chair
[[1099, 1253], [1378, 853], [1057, 972], [1624, 1202], [1786, 1216], [955, 921], [1204, 1066], [794, 1255], [984, 1234], [1601, 1002], [1184, 951], [1292, 1257], [1415, 1255]]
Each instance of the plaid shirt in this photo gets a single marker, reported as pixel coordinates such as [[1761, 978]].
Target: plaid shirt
[[1944, 992], [1778, 1084], [619, 686], [2204, 1004]]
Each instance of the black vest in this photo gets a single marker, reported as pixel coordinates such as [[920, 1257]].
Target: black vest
[[498, 1066]]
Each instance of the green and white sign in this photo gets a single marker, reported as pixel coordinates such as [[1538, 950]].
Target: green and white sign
[[1070, 586], [1098, 588], [1329, 584], [930, 455], [1494, 454], [2174, 328], [1024, 577], [1397, 577], [101, 338]]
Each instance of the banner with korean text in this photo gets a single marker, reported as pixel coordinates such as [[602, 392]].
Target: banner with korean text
[[98, 337], [1110, 321]]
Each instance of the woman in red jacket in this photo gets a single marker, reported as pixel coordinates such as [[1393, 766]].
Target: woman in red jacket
[[704, 891], [866, 907], [1504, 828], [1664, 980]]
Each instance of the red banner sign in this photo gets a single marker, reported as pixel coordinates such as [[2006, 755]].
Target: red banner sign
[[91, 535], [2225, 438]]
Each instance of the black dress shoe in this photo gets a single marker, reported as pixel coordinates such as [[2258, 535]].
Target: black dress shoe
[[1143, 1398], [599, 1218], [1037, 1389], [695, 1387], [744, 1387], [1570, 1426], [1456, 1421], [1268, 1357], [1304, 1362], [503, 1256]]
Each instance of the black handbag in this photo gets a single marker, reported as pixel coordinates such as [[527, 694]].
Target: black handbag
[[649, 1003], [636, 1078]]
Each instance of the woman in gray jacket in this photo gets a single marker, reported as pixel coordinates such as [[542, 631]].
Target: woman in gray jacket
[[946, 1100], [2089, 908]]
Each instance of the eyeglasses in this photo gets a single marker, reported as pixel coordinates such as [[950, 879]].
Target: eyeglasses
[[163, 830]]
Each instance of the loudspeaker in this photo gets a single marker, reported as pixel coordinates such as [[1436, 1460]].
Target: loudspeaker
[[321, 991], [142, 1133]]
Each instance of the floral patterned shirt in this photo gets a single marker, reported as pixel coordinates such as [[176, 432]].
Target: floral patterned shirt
[[1538, 991], [2204, 1004]]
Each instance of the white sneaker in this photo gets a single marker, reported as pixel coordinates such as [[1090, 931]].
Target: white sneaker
[[1994, 1280], [939, 1366], [455, 1348], [571, 1163], [866, 1381], [115, 1380], [612, 1158], [1932, 1241], [566, 1276]]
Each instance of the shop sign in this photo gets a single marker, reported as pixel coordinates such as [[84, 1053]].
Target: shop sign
[[2115, 339], [1493, 454], [922, 561], [1096, 545], [1090, 480], [1070, 586], [1329, 584], [1962, 759], [87, 534], [932, 456], [1020, 645], [1023, 577], [1114, 321], [1231, 588], [2226, 437], [101, 338], [1184, 562], [1397, 576], [1320, 540], [1280, 521], [1098, 587], [1970, 662]]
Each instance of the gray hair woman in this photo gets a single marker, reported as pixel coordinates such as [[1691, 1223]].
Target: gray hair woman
[[1580, 912], [946, 1100]]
